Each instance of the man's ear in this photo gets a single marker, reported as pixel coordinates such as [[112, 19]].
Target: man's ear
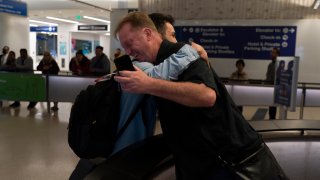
[[148, 33]]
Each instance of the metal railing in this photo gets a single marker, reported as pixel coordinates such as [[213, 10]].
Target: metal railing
[[65, 88]]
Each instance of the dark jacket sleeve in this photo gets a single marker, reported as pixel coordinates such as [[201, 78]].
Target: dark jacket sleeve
[[55, 68], [40, 66]]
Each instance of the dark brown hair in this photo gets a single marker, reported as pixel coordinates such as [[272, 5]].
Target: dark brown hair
[[160, 20]]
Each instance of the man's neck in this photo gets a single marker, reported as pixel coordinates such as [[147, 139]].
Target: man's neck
[[155, 50], [166, 49]]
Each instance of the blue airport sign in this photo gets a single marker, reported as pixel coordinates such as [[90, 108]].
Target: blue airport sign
[[247, 42], [13, 7], [44, 29]]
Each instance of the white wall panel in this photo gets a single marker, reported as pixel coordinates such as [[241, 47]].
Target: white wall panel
[[14, 32]]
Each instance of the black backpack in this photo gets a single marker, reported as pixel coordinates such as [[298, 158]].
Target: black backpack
[[94, 119]]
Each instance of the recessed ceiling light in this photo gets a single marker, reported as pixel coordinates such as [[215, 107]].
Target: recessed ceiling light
[[96, 19], [33, 25], [63, 20]]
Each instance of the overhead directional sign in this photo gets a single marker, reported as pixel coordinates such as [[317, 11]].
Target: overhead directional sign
[[13, 7], [44, 29], [248, 42], [93, 27]]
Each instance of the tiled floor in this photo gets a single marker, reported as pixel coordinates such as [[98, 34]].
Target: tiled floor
[[33, 144]]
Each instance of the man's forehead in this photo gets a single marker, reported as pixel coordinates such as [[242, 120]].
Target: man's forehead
[[169, 26], [126, 28], [126, 31]]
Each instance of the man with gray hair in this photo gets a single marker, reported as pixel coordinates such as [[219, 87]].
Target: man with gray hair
[[4, 55]]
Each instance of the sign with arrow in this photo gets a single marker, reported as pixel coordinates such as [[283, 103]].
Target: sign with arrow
[[247, 42]]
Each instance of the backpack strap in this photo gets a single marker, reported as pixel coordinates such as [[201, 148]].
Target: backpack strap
[[124, 127]]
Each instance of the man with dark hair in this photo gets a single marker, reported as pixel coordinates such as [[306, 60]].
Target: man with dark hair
[[204, 137], [270, 77], [24, 64], [160, 21], [100, 64], [164, 25], [239, 74]]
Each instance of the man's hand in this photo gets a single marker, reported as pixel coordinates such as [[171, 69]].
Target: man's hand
[[186, 93], [134, 81], [201, 51]]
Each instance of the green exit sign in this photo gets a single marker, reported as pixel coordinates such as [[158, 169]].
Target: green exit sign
[[78, 17]]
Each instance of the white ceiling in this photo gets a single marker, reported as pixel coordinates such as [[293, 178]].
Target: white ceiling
[[180, 9], [69, 9], [232, 9]]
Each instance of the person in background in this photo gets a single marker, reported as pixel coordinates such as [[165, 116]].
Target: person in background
[[100, 64], [270, 77], [10, 64], [4, 55], [194, 98], [117, 53], [49, 66], [24, 63], [3, 59], [239, 74], [80, 64]]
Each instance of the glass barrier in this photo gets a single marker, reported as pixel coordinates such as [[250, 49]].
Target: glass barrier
[[22, 86], [58, 88], [66, 88]]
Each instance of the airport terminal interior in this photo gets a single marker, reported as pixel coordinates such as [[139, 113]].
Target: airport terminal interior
[[34, 139]]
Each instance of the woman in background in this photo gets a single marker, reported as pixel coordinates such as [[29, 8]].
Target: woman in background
[[10, 65], [49, 66], [239, 74], [80, 64]]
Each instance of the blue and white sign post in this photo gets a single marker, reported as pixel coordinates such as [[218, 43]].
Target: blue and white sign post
[[44, 29], [247, 42], [285, 85]]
